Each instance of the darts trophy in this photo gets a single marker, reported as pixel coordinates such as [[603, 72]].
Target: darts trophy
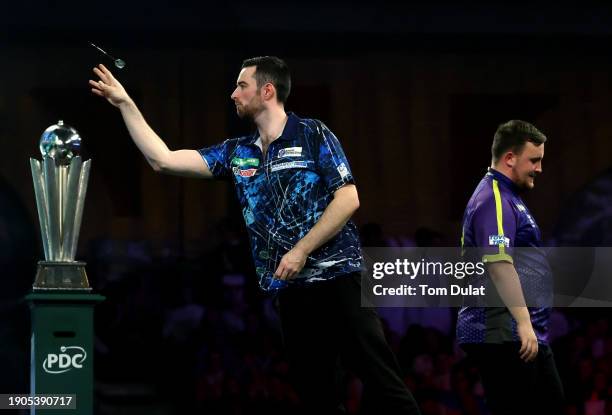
[[60, 185]]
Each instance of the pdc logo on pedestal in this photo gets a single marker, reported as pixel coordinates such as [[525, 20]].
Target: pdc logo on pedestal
[[70, 357]]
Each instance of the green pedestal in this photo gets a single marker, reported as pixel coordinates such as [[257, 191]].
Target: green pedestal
[[62, 346]]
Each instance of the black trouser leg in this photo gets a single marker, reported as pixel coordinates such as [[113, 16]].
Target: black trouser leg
[[311, 348], [513, 386], [364, 347], [325, 320]]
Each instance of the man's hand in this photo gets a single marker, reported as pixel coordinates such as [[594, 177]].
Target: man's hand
[[291, 264], [108, 87], [529, 342], [336, 214]]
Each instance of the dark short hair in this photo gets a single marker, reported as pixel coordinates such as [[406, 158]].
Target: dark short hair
[[273, 70], [513, 135]]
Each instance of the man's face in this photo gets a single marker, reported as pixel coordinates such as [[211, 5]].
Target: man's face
[[527, 165], [246, 96]]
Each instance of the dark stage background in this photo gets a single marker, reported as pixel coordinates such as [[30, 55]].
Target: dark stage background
[[413, 91]]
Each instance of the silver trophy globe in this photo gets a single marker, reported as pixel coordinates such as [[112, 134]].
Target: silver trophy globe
[[60, 186]]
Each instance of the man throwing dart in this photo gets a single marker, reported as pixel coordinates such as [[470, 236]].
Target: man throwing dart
[[297, 194]]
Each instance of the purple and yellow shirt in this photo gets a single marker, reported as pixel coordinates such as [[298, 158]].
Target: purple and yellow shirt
[[497, 222]]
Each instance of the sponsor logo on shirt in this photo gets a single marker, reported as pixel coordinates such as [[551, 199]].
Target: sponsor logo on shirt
[[531, 221], [244, 173], [289, 165], [290, 152], [496, 240], [342, 170], [245, 162], [523, 209]]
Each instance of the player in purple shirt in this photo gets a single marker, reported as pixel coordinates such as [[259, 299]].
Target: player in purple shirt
[[509, 345]]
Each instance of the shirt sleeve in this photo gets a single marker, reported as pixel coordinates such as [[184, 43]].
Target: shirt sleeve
[[217, 158], [332, 163], [494, 226]]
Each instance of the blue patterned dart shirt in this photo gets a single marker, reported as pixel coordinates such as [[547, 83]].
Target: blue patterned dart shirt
[[284, 193]]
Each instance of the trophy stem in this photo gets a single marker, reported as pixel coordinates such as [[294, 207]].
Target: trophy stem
[[53, 205], [62, 179], [81, 192], [41, 203], [71, 222]]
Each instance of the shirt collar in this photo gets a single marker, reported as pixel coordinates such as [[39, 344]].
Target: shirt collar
[[289, 131], [502, 178]]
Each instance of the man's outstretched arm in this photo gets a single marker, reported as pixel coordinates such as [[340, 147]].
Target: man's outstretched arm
[[335, 216], [158, 155]]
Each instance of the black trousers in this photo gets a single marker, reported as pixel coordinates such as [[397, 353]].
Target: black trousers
[[514, 387], [323, 323]]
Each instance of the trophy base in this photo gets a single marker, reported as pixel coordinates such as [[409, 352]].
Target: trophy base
[[55, 275]]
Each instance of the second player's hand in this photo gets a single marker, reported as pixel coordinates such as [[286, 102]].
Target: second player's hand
[[529, 342], [108, 87], [291, 264]]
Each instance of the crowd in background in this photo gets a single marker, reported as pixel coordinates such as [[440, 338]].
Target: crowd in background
[[197, 334], [186, 328]]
